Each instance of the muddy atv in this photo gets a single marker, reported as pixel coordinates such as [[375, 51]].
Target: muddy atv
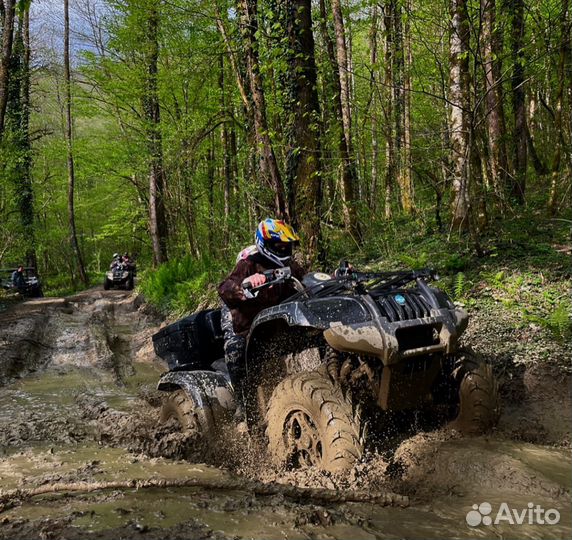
[[332, 359], [120, 276], [32, 286]]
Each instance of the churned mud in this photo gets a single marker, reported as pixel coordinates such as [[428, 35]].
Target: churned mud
[[78, 404]]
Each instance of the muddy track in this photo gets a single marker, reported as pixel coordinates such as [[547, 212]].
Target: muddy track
[[78, 407]]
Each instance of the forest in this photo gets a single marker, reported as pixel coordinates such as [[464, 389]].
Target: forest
[[427, 131]]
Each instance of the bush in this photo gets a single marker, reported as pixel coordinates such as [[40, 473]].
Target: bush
[[180, 286]]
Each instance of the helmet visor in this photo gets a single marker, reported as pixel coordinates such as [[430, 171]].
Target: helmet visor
[[281, 249]]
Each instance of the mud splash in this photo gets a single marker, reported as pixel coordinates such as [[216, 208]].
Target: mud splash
[[78, 404]]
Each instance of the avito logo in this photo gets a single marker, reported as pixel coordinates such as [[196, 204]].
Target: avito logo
[[482, 514]]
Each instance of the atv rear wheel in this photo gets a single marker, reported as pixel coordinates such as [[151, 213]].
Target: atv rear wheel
[[311, 423], [479, 403], [191, 419]]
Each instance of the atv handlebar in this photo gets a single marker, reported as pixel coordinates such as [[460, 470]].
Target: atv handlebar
[[273, 277]]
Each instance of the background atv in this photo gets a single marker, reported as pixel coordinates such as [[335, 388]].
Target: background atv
[[33, 285], [323, 364], [121, 275]]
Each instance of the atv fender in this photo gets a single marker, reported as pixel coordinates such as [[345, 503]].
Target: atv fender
[[317, 313], [207, 389]]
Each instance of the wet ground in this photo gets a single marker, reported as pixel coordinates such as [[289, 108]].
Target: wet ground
[[77, 404]]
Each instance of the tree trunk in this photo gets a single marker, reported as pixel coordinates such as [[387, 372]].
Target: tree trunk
[[406, 182], [558, 113], [518, 101], [224, 141], [494, 113], [374, 110], [7, 38], [152, 112], [304, 167], [18, 123], [459, 113], [349, 178], [268, 165], [70, 159], [390, 135]]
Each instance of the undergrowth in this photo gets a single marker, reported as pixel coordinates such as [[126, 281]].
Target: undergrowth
[[180, 286]]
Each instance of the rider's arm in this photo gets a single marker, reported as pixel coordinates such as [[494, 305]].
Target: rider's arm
[[230, 290]]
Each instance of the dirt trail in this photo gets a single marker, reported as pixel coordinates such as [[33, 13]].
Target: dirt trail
[[77, 404]]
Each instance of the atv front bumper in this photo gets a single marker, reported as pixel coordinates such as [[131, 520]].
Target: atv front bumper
[[393, 342]]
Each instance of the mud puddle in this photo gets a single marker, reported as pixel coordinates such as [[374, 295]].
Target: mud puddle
[[78, 405]]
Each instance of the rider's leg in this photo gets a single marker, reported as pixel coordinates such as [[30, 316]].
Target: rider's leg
[[234, 349]]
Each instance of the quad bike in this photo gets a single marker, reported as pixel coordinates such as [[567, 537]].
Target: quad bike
[[121, 275], [32, 286], [329, 361]]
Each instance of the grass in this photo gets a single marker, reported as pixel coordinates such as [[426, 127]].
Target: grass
[[180, 286]]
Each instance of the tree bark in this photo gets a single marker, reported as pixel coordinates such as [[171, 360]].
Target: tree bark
[[224, 141], [7, 39], [152, 113], [390, 135], [373, 45], [459, 114], [406, 182], [303, 163], [69, 144], [248, 10], [495, 121], [520, 142], [558, 113], [349, 176]]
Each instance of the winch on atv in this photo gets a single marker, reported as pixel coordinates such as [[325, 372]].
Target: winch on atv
[[326, 362]]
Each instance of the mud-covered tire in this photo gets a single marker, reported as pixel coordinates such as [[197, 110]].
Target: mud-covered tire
[[311, 423], [479, 401], [129, 284], [191, 419], [106, 284]]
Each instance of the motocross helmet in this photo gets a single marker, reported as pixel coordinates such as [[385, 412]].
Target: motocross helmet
[[115, 255], [275, 239]]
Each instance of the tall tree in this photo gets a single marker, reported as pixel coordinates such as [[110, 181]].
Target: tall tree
[[303, 164], [459, 113], [17, 125], [496, 130], [248, 10], [407, 190], [7, 22], [152, 114], [349, 176], [520, 141], [563, 79], [69, 145], [389, 94]]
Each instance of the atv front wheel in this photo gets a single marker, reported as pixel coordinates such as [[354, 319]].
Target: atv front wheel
[[479, 403], [106, 284], [311, 424], [190, 418]]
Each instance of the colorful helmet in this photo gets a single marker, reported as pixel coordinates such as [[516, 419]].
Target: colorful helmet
[[275, 239]]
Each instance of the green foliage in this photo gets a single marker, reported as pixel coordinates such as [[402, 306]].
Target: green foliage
[[179, 286], [416, 262], [558, 320]]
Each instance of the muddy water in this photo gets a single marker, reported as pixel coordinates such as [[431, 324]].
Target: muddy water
[[85, 412]]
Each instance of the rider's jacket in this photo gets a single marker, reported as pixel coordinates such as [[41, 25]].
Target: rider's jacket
[[243, 310]]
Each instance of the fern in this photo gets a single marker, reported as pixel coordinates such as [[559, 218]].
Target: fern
[[461, 286], [558, 321]]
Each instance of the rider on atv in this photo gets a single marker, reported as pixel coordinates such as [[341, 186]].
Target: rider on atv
[[274, 243]]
